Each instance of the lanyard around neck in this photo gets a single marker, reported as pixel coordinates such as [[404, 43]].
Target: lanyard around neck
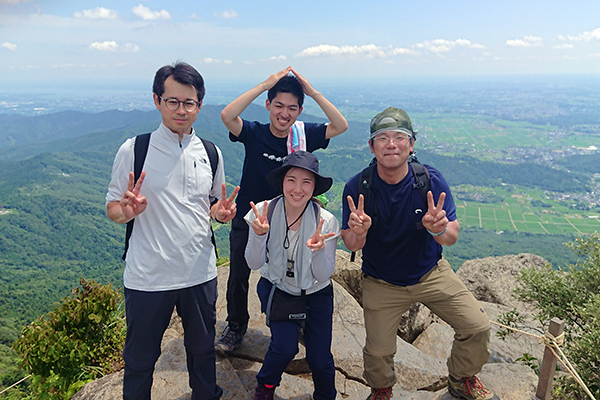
[[286, 240]]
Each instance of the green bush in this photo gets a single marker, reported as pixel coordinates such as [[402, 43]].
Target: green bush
[[573, 295], [80, 340]]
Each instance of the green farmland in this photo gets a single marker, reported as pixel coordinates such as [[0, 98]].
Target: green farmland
[[489, 138], [503, 217]]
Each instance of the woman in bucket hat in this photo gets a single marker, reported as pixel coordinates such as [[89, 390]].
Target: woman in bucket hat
[[293, 242]]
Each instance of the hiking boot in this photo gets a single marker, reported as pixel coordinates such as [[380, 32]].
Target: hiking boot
[[469, 389], [381, 394], [263, 393], [231, 338]]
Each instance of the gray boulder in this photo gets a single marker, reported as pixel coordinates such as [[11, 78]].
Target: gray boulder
[[419, 366], [494, 279]]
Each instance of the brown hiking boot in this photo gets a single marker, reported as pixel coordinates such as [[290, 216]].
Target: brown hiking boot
[[469, 388], [381, 394]]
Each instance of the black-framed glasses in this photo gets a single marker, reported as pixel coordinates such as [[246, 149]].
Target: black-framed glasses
[[384, 140], [173, 104]]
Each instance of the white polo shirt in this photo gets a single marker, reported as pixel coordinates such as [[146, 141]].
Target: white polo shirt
[[170, 246]]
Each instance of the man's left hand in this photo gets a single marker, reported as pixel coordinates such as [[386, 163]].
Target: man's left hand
[[435, 219], [226, 207]]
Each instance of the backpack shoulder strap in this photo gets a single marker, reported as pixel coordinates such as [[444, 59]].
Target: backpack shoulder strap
[[422, 179], [213, 156], [272, 207], [317, 208], [140, 150]]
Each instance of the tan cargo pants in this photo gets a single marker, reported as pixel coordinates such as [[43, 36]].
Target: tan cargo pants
[[444, 294]]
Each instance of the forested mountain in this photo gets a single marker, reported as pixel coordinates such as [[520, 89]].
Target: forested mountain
[[56, 168]]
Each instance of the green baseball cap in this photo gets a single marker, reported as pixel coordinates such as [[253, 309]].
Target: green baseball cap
[[392, 119]]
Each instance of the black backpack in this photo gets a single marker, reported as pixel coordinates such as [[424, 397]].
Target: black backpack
[[140, 150], [365, 184]]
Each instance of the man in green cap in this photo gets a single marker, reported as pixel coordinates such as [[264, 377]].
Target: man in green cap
[[401, 236]]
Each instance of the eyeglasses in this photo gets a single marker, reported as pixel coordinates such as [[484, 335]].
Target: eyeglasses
[[384, 140], [173, 104]]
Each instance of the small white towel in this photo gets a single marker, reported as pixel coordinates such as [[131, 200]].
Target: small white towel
[[297, 138]]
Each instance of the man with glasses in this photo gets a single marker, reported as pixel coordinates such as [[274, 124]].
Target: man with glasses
[[171, 261], [403, 263]]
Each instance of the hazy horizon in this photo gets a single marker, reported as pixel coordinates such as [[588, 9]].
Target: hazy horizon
[[53, 96]]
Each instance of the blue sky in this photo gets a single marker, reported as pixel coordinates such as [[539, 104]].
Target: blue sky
[[244, 41]]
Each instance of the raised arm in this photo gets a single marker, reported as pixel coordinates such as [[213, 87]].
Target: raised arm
[[231, 114], [337, 122]]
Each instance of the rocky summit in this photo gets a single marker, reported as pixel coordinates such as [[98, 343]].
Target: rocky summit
[[423, 344]]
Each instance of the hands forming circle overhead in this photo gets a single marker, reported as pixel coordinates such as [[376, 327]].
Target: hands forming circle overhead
[[274, 78]]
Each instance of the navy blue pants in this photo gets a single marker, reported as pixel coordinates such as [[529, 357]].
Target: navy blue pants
[[239, 273], [317, 338], [148, 315]]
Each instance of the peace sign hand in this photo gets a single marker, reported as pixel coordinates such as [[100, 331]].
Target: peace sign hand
[[435, 219], [226, 207], [260, 225], [358, 222], [132, 202], [317, 241]]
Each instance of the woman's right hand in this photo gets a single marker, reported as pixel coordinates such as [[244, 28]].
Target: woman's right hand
[[260, 225]]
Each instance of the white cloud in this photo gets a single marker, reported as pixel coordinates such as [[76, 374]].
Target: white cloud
[[209, 60], [228, 14], [583, 37], [563, 46], [148, 15], [399, 51], [527, 41], [67, 65], [104, 46], [369, 50], [534, 39], [278, 58], [9, 46], [23, 67], [111, 45], [97, 13], [130, 48], [439, 46], [517, 43]]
